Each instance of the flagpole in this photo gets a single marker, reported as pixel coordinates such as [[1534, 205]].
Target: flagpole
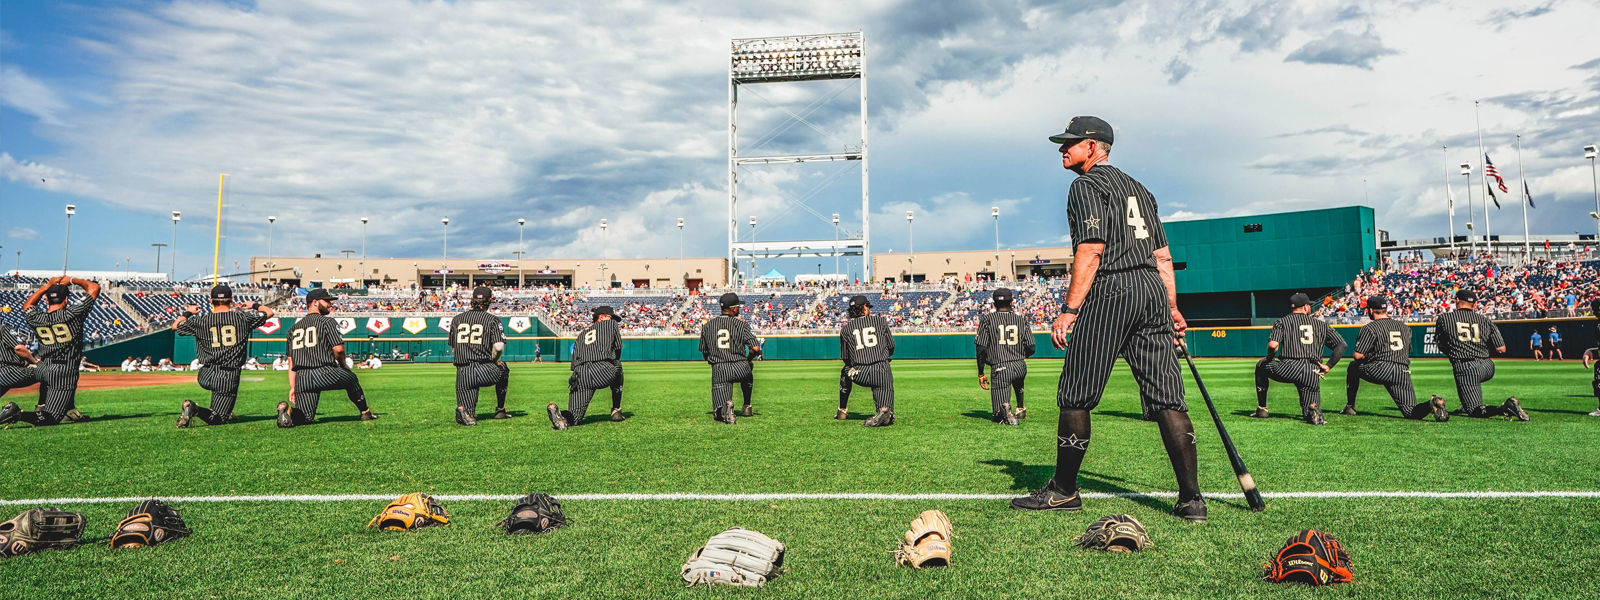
[[1449, 202], [1488, 230], [1526, 251]]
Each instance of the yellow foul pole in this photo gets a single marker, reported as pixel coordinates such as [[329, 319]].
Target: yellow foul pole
[[216, 253]]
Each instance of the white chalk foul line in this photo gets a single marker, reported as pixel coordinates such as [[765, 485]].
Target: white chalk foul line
[[769, 497]]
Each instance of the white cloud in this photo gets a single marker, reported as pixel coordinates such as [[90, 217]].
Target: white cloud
[[22, 233], [21, 91], [45, 177]]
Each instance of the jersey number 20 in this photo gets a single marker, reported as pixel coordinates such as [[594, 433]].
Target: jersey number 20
[[304, 338]]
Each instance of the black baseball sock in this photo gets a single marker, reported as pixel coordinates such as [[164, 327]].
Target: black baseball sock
[[1017, 390], [747, 389], [1352, 385], [1177, 434], [500, 395], [359, 398], [1072, 442], [616, 399], [1261, 383]]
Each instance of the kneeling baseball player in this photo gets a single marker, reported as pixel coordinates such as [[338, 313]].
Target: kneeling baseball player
[[1005, 341], [317, 364], [16, 370], [59, 330], [1593, 354], [1383, 356], [1466, 338], [1294, 355], [867, 346], [221, 342], [477, 342], [596, 363], [729, 346]]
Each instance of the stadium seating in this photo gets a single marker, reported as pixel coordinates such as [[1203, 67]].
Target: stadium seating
[[1420, 292], [106, 322]]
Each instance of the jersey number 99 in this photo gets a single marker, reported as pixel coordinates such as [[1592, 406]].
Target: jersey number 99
[[303, 338], [472, 333], [54, 334]]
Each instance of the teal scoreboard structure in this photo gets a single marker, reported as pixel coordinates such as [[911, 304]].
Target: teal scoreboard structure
[[1242, 270]]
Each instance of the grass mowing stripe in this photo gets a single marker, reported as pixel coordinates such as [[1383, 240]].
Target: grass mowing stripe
[[768, 497]]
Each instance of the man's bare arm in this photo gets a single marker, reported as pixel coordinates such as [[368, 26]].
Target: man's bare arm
[[1085, 263], [1170, 280], [23, 352]]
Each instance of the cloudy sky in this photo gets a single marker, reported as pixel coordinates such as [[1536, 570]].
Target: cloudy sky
[[567, 112]]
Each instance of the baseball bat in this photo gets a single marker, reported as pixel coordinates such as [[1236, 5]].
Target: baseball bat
[[1252, 496]]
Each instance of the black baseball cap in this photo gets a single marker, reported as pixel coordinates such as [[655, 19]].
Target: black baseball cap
[[221, 292], [1466, 295], [482, 293], [1002, 296], [319, 294], [1084, 128], [603, 310], [730, 299], [1299, 299], [859, 301], [1377, 303], [57, 293]]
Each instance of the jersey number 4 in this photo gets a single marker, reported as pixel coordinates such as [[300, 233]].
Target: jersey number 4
[[866, 337], [472, 333], [54, 334], [1136, 220], [303, 338]]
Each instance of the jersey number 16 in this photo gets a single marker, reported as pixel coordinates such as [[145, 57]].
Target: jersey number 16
[[866, 337]]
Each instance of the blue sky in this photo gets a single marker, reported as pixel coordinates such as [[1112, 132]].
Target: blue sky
[[564, 113]]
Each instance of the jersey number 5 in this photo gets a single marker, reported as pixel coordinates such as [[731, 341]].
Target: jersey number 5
[[866, 337], [304, 338], [54, 334], [1395, 342], [472, 333], [1136, 220], [1467, 332]]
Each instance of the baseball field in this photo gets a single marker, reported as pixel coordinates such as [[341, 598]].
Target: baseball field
[[1420, 506]]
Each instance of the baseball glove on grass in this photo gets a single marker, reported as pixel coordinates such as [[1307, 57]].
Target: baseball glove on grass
[[151, 522], [927, 543], [738, 557], [40, 529], [536, 513], [411, 511], [1115, 533], [1310, 557]]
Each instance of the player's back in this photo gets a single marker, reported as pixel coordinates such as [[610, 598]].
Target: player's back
[[725, 339], [867, 340], [599, 342], [473, 336], [1302, 336], [59, 332], [1463, 334], [1385, 340], [1005, 337], [222, 339], [311, 342]]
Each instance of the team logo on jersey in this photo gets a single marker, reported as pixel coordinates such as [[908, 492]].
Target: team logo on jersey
[[520, 324], [415, 325], [444, 323], [270, 326], [378, 324], [1091, 223], [346, 324]]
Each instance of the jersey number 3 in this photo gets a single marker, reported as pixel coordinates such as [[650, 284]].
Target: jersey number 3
[[1136, 220]]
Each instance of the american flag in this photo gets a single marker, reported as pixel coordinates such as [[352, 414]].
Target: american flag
[[1490, 171]]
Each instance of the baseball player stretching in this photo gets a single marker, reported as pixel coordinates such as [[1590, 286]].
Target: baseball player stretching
[[728, 344], [476, 342], [317, 364], [1294, 355], [1466, 337], [866, 345], [1123, 298], [1004, 341], [1383, 356], [221, 343], [16, 370], [59, 329], [596, 363]]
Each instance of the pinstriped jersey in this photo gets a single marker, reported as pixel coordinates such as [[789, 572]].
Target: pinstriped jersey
[[1004, 337], [600, 342], [311, 342], [1106, 205], [60, 333], [1385, 340], [8, 349], [1466, 335], [865, 341], [473, 335], [726, 339], [1304, 336], [222, 339]]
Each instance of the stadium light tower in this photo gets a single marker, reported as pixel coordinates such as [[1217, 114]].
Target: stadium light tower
[[444, 263], [682, 273], [994, 211], [752, 241], [1466, 171], [605, 240], [1590, 152], [794, 59], [520, 252], [158, 248], [835, 245], [363, 253], [66, 247], [911, 231], [176, 216], [270, 220]]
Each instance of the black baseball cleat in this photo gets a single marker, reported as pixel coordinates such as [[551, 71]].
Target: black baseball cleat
[[73, 416], [366, 415], [1022, 413], [1513, 409], [500, 413], [1193, 511], [749, 411], [9, 413], [1005, 416], [556, 420], [187, 415], [1049, 498], [463, 418], [725, 415], [1440, 413], [616, 415], [1349, 410], [884, 418], [285, 420], [842, 414], [1261, 413]]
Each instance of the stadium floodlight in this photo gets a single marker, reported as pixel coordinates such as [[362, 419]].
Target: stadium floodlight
[[444, 262], [520, 253], [173, 274], [1590, 152], [682, 273], [363, 253], [67, 246], [797, 58], [1466, 168], [835, 245]]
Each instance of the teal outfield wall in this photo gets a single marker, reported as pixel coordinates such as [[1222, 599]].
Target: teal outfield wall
[[1307, 249], [428, 344]]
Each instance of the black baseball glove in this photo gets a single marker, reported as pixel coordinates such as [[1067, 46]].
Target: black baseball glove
[[40, 529], [536, 513], [151, 522]]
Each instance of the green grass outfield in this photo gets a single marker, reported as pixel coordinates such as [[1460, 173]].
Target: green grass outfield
[[942, 443]]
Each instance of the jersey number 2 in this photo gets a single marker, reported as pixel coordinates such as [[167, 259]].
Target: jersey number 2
[[722, 338], [1136, 220]]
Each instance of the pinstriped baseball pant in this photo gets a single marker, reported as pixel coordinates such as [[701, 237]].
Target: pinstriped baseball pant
[[224, 387], [1394, 377], [58, 384], [310, 383], [724, 375], [585, 379], [1125, 313], [1470, 377], [15, 377], [470, 377], [1302, 373], [878, 376], [1597, 381], [1002, 379]]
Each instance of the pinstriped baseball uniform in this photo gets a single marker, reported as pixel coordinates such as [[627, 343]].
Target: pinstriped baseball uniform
[[221, 343], [1467, 337], [1004, 341], [596, 363], [14, 371], [1126, 311], [866, 345], [726, 343], [1385, 347], [1301, 339], [60, 336], [473, 336], [1597, 363], [316, 367]]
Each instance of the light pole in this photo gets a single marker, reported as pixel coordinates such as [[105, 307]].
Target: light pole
[[521, 283], [994, 211], [66, 247], [127, 265], [1589, 152], [681, 273], [835, 245], [752, 247], [911, 231], [605, 240], [270, 220], [1466, 171], [173, 274], [444, 264], [363, 253]]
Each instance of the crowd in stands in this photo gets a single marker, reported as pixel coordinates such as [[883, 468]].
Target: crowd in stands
[[1419, 291]]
